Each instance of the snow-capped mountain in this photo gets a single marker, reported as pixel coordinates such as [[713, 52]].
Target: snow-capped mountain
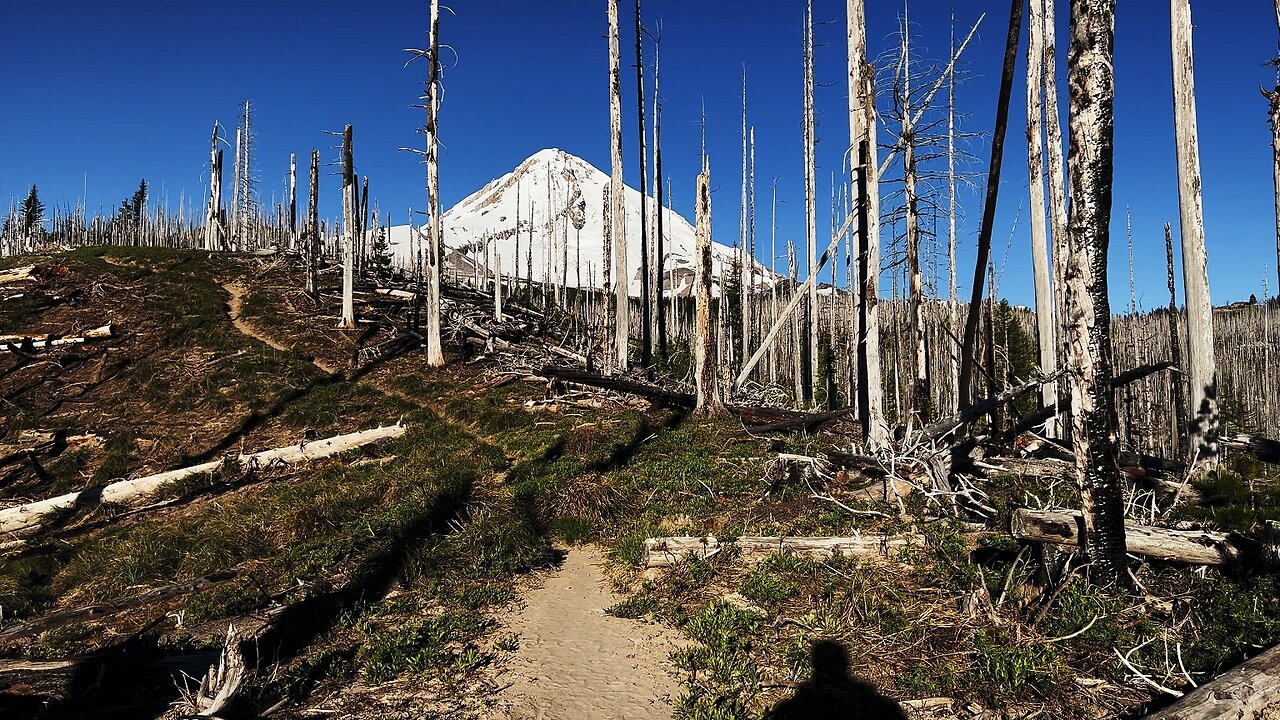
[[557, 199]]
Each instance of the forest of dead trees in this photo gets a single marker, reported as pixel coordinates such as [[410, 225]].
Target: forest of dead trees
[[894, 343], [1165, 390]]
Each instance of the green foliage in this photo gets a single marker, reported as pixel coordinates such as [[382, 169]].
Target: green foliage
[[1016, 348], [1082, 605], [723, 679], [31, 215], [635, 607], [1005, 669], [1234, 617], [439, 643]]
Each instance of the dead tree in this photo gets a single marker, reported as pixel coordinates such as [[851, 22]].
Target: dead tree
[[213, 218], [646, 310], [293, 201], [866, 184], [915, 287], [969, 344], [1202, 372], [1091, 80], [313, 228], [1056, 170], [1178, 379], [810, 211], [622, 323], [435, 229], [1273, 114], [348, 318], [1046, 335], [658, 259], [704, 344]]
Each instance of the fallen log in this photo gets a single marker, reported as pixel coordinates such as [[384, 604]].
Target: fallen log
[[1136, 374], [1197, 547], [1266, 450], [1245, 691], [659, 395], [945, 427], [130, 493], [801, 422], [668, 551], [18, 274], [12, 343]]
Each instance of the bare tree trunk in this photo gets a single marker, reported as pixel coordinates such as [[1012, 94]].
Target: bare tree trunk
[[293, 202], [313, 228], [497, 286], [1046, 335], [1273, 97], [348, 318], [213, 218], [1178, 379], [1056, 171], [435, 229], [743, 283], [622, 323], [811, 210], [1091, 79], [915, 285], [969, 345], [953, 303], [658, 259], [646, 299], [235, 235], [866, 183], [704, 334], [1203, 372]]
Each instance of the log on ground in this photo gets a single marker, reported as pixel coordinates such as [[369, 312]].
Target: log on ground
[[1245, 691], [667, 551], [129, 493], [1198, 547]]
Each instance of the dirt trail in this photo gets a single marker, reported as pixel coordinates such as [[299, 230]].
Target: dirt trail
[[236, 292], [575, 662]]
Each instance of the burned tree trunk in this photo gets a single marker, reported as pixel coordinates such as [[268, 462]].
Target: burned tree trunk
[[213, 218], [348, 317], [810, 212], [1056, 168], [969, 345], [622, 322], [293, 202], [646, 332], [919, 397], [435, 229], [1178, 379], [1045, 310], [704, 333], [1202, 372], [313, 228], [866, 185], [1092, 95]]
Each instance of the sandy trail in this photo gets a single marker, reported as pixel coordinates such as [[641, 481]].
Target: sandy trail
[[235, 302], [575, 662]]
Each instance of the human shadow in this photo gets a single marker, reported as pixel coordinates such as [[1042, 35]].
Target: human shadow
[[833, 694]]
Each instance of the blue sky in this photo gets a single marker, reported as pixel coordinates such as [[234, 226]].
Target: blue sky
[[111, 92]]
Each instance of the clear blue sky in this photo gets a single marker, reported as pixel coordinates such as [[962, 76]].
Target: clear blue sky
[[123, 90]]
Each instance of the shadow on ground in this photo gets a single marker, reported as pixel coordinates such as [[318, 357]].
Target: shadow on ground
[[834, 694]]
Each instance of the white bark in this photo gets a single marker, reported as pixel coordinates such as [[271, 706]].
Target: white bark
[[348, 318], [45, 341], [862, 138], [622, 323], [810, 205], [435, 229], [1202, 372], [212, 219], [1045, 333], [668, 551], [132, 493], [708, 395]]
